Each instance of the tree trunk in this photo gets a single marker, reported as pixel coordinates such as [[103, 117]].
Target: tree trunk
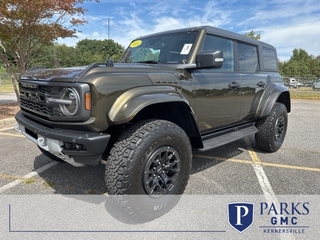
[[14, 79]]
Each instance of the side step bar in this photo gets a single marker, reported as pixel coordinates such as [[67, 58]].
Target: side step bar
[[221, 138]]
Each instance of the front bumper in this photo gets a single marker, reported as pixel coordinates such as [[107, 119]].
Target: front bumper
[[89, 145]]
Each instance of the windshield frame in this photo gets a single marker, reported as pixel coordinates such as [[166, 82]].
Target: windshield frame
[[183, 41]]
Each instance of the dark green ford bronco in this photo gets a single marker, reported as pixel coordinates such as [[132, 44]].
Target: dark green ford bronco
[[173, 91]]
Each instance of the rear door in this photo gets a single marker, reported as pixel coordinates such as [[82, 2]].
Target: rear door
[[251, 80]]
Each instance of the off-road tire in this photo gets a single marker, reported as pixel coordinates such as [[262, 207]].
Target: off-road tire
[[130, 168], [272, 129], [50, 155]]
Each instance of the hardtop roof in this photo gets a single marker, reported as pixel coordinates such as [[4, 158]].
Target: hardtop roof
[[215, 31]]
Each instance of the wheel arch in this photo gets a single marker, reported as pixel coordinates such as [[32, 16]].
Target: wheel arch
[[156, 102], [272, 94], [177, 112]]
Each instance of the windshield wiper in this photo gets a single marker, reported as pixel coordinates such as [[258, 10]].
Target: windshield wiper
[[149, 61]]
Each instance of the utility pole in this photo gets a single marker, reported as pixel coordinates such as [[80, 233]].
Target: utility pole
[[108, 28]]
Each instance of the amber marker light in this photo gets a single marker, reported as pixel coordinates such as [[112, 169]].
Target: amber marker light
[[87, 98]]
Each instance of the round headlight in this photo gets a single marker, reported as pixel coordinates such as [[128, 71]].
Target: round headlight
[[71, 107]]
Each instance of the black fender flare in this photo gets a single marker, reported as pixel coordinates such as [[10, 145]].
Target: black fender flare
[[274, 92], [131, 102]]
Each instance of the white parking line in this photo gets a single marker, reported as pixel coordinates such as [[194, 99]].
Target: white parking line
[[12, 135], [262, 177], [29, 175], [6, 128], [264, 183]]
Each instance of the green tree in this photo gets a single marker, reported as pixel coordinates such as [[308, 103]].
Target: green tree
[[55, 55], [66, 56], [253, 35], [2, 69], [84, 53], [98, 51], [45, 57], [315, 67], [26, 26], [300, 64]]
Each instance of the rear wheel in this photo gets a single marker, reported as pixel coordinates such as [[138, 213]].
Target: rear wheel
[[150, 164], [272, 129]]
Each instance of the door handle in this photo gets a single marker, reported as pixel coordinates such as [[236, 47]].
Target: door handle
[[234, 85], [261, 84]]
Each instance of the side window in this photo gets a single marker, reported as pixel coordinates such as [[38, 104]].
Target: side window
[[248, 58], [269, 57], [213, 43]]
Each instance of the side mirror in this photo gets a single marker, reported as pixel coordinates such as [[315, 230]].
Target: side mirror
[[210, 59]]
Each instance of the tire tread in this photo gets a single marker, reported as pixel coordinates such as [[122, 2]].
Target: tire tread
[[265, 136]]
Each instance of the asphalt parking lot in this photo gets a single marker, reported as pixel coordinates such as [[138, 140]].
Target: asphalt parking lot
[[32, 186], [238, 168]]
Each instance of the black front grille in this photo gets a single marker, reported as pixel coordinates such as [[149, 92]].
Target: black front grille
[[43, 89], [33, 98], [37, 107], [39, 88]]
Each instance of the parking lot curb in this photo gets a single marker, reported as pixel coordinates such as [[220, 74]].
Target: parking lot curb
[[7, 122]]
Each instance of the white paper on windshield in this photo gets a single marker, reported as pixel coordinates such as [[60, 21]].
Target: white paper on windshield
[[186, 48]]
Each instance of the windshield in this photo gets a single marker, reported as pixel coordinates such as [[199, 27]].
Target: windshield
[[171, 48]]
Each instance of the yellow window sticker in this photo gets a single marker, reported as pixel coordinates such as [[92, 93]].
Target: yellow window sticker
[[135, 43]]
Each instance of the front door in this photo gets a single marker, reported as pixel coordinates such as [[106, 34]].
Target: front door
[[218, 90], [218, 99]]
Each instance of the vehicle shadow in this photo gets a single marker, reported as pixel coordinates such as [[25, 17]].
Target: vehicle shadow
[[80, 183], [66, 179], [63, 178], [203, 160]]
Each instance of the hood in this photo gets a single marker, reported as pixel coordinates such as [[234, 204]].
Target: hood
[[54, 74], [78, 74]]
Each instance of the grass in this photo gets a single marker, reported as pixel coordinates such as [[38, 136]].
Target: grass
[[6, 84], [305, 93], [48, 184], [6, 88], [29, 180]]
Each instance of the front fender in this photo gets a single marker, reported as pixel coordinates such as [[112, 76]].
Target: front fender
[[129, 103], [274, 92]]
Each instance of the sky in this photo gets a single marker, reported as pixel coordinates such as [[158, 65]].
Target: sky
[[285, 24]]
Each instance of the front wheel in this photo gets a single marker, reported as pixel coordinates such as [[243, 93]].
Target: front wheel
[[151, 164], [272, 129]]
